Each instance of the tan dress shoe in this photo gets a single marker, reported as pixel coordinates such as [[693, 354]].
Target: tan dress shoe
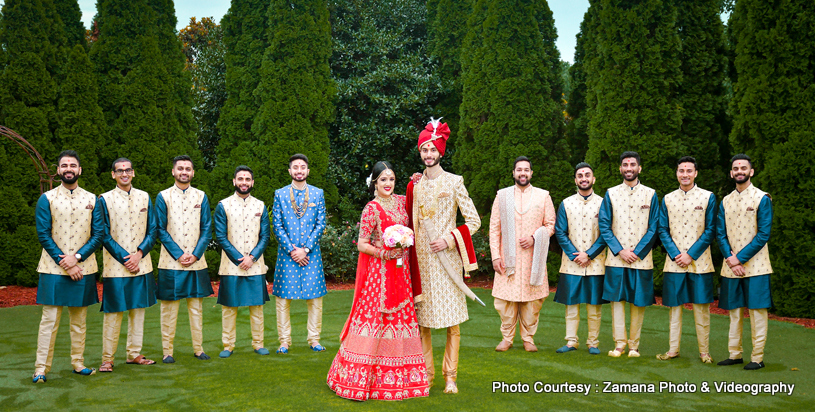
[[450, 386], [503, 346], [530, 347], [706, 358], [667, 356]]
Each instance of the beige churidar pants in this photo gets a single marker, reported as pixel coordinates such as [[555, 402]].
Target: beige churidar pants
[[701, 315], [229, 320], [513, 313], [110, 334], [169, 319], [594, 313], [618, 325], [758, 329], [314, 325], [49, 325], [449, 365]]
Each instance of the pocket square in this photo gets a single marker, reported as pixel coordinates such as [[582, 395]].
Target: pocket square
[[645, 207], [144, 209], [312, 205], [196, 207], [698, 208], [258, 214], [750, 209], [89, 206]]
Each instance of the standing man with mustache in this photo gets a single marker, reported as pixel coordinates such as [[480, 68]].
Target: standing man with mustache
[[129, 224], [299, 221], [687, 220], [433, 201], [242, 229], [69, 234], [581, 269], [522, 220], [628, 223], [185, 230], [743, 230]]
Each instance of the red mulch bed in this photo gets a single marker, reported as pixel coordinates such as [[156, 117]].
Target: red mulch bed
[[11, 296]]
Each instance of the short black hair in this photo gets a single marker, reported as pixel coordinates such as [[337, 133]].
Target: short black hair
[[244, 168], [69, 153], [687, 159], [741, 156], [119, 160], [298, 156], [521, 159], [628, 154], [582, 165], [183, 158]]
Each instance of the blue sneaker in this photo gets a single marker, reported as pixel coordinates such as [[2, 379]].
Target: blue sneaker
[[225, 353], [262, 351], [566, 348], [282, 350], [202, 356], [594, 351], [168, 359], [85, 372], [318, 348], [39, 379]]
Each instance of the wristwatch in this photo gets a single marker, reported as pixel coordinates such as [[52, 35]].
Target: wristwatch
[[78, 257], [307, 250]]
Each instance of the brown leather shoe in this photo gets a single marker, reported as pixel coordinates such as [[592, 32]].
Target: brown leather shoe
[[530, 347], [503, 346]]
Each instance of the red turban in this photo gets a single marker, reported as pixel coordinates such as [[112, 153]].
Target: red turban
[[435, 132]]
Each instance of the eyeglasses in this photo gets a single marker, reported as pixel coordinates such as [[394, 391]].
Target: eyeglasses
[[124, 171]]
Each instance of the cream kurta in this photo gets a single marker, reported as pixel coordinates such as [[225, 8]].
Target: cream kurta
[[444, 305], [741, 220], [129, 214], [583, 216], [243, 230], [533, 209], [71, 224], [183, 226], [687, 212], [631, 208]]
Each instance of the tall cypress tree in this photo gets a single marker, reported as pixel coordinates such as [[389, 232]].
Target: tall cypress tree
[[297, 93], [144, 93], [71, 15], [512, 102], [774, 122], [578, 121], [702, 92], [632, 83]]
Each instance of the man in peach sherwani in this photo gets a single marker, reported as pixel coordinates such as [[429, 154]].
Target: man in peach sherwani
[[522, 220]]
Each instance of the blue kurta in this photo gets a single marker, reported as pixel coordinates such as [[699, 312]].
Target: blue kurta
[[236, 291], [626, 284], [181, 284], [124, 293], [752, 292], [576, 289], [681, 288], [291, 281], [60, 290]]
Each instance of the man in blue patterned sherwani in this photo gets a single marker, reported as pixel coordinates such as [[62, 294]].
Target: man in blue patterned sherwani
[[299, 222], [185, 230], [69, 233]]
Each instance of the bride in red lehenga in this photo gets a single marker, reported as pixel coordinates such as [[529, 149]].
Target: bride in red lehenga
[[381, 353]]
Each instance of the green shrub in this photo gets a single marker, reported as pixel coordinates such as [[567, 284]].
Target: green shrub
[[339, 249]]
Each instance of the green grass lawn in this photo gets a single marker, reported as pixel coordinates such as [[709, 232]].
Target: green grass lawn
[[247, 381]]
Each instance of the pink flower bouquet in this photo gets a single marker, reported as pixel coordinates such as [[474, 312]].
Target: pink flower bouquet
[[398, 236]]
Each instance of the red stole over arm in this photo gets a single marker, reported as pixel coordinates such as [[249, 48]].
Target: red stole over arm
[[413, 261]]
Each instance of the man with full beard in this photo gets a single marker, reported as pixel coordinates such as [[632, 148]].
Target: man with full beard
[[743, 230], [433, 200], [242, 229], [522, 220], [581, 268], [69, 233], [299, 221], [628, 224], [185, 230]]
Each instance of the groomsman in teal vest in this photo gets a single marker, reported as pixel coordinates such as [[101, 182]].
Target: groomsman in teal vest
[[299, 221], [185, 230], [69, 234]]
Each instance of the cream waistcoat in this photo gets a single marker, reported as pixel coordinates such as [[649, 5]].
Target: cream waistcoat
[[582, 215], [631, 209], [740, 214], [183, 225], [71, 222], [243, 229], [686, 217], [127, 214]]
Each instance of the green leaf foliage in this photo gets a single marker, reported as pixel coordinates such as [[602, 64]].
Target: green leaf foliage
[[512, 101], [386, 90], [774, 122], [633, 75]]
